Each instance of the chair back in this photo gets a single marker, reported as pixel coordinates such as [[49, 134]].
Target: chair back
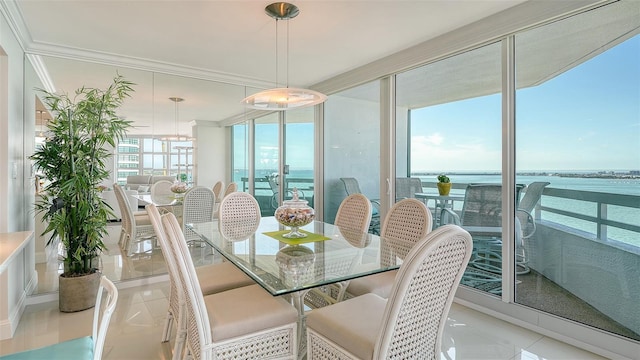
[[532, 195], [351, 185], [483, 205], [102, 315], [354, 213], [239, 216], [408, 221], [232, 187], [408, 187], [424, 288], [218, 189], [125, 210], [161, 192], [197, 321], [197, 207], [175, 291]]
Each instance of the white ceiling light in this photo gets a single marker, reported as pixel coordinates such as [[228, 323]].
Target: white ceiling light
[[283, 98]]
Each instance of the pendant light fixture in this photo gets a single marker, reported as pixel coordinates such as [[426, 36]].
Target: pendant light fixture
[[177, 136], [283, 98]]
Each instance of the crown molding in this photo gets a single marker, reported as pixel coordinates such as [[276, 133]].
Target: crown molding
[[105, 58], [15, 20]]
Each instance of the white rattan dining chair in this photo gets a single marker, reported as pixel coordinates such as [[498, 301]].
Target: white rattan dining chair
[[352, 219], [232, 187], [213, 278], [239, 216], [218, 192], [136, 226], [197, 207], [352, 186], [161, 192], [242, 323], [408, 325], [218, 189], [88, 347], [408, 221]]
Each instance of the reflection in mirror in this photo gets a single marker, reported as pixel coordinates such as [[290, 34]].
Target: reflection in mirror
[[153, 115]]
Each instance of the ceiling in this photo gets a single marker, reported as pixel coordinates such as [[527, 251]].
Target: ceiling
[[214, 53]]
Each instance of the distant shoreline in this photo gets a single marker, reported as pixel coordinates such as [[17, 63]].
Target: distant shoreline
[[593, 175]]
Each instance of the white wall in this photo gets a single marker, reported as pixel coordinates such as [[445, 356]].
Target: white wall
[[352, 149], [210, 154]]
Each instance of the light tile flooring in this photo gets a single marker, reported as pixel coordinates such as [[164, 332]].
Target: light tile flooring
[[136, 326]]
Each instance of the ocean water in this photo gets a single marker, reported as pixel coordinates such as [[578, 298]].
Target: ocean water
[[610, 185]]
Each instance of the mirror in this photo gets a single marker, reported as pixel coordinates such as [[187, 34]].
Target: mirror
[[153, 115]]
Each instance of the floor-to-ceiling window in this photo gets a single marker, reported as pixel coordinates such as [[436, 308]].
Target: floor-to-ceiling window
[[449, 121], [578, 136], [299, 153], [152, 156]]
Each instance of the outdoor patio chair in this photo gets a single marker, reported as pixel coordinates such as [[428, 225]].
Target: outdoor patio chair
[[213, 278], [526, 207], [407, 188], [242, 323], [408, 221], [88, 347], [410, 324], [351, 186], [481, 215]]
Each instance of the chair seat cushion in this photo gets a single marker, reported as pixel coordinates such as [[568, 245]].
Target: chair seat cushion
[[220, 277], [142, 219], [246, 310], [379, 284], [81, 348], [352, 324]]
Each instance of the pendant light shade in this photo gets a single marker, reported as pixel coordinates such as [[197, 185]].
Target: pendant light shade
[[283, 98]]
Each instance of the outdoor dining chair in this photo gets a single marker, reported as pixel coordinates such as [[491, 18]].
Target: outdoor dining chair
[[242, 323], [213, 278], [481, 214], [408, 221], [408, 325]]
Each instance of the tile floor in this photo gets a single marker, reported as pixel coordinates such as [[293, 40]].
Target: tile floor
[[137, 323], [136, 328]]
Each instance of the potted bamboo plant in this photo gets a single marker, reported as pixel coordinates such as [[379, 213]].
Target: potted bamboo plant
[[444, 185], [72, 159]]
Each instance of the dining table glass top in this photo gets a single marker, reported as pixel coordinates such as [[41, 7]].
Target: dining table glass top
[[328, 255]]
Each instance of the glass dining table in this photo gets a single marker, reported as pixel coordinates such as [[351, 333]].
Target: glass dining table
[[291, 266]]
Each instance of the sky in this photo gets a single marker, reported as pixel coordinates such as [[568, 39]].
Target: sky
[[585, 119]]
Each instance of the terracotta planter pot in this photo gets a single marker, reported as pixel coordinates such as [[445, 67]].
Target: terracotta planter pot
[[444, 188], [78, 293]]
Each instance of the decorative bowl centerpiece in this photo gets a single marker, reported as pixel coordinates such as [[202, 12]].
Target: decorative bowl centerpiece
[[295, 213], [179, 188]]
